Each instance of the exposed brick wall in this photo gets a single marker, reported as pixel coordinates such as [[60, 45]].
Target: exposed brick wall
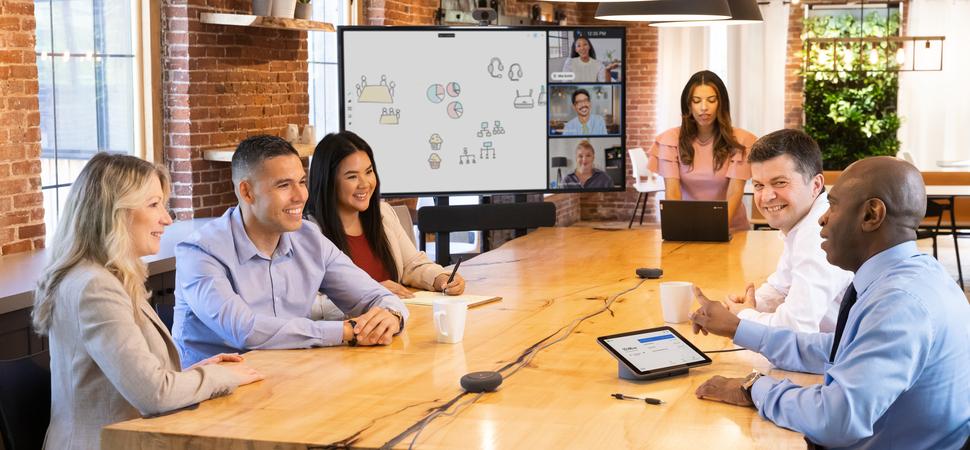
[[21, 200], [221, 85], [794, 84]]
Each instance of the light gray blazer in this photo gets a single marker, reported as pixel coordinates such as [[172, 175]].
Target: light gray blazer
[[112, 362]]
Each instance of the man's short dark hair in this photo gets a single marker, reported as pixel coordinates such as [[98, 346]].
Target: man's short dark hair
[[251, 153], [580, 91], [796, 144]]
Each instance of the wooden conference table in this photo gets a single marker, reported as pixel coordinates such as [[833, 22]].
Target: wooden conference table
[[371, 397]]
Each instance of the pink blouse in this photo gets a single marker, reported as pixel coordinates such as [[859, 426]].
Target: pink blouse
[[701, 182]]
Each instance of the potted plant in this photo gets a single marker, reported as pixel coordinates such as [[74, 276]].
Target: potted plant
[[284, 8], [304, 10], [262, 7]]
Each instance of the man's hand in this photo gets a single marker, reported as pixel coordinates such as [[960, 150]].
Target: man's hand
[[727, 390], [456, 287], [713, 317], [737, 304], [377, 326], [397, 289]]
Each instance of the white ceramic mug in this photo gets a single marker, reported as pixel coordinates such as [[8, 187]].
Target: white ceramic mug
[[292, 133], [309, 134], [675, 300], [449, 320]]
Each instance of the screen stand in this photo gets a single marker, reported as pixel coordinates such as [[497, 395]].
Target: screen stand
[[628, 374], [442, 240]]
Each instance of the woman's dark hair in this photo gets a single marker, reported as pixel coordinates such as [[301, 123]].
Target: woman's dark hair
[[575, 54], [725, 144], [322, 202]]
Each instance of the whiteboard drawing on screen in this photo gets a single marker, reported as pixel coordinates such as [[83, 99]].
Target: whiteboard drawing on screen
[[487, 151], [375, 93], [515, 72], [465, 157], [542, 94], [390, 116], [495, 67], [523, 101], [435, 141], [455, 110], [434, 161]]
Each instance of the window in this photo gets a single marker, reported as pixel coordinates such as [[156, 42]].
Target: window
[[86, 68], [324, 113]]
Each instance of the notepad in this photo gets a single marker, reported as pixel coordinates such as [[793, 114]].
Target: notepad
[[427, 298]]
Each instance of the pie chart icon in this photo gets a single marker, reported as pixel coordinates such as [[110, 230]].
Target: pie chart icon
[[453, 89], [455, 110], [436, 93]]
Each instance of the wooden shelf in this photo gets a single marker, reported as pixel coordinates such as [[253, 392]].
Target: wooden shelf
[[225, 154], [246, 20]]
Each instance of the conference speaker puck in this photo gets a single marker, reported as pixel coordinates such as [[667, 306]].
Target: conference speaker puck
[[486, 381]]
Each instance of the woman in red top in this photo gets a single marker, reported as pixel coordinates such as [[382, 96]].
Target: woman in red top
[[345, 201]]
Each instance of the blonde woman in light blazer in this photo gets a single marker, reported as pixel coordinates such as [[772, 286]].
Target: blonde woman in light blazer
[[112, 359], [345, 202]]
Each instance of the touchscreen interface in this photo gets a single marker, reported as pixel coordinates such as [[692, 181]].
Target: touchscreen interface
[[654, 350]]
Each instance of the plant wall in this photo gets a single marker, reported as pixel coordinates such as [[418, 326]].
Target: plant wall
[[852, 113]]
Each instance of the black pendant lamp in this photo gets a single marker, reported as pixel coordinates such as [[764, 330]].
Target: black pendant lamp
[[742, 12], [664, 10]]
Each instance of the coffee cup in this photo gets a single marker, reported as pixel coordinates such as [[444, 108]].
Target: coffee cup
[[675, 300], [449, 320]]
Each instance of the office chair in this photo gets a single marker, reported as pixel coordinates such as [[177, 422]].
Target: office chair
[[493, 216], [25, 401], [644, 181]]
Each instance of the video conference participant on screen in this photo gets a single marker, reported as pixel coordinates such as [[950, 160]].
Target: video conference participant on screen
[[705, 158], [584, 66], [585, 123], [586, 176], [248, 280], [345, 200]]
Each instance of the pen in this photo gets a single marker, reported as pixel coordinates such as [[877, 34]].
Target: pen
[[452, 277], [652, 401]]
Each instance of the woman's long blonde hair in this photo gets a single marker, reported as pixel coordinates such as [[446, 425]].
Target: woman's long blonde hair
[[94, 227]]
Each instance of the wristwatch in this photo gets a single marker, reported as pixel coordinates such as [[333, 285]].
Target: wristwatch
[[750, 380], [353, 338], [400, 319]]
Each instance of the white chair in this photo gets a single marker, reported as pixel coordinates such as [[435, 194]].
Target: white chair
[[644, 181]]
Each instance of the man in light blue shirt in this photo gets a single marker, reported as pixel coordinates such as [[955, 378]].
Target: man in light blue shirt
[[248, 279], [897, 368], [584, 123]]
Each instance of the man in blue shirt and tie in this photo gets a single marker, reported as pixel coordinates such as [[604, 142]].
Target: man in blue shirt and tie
[[248, 280], [897, 368]]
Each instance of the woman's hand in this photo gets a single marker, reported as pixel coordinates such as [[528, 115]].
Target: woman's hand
[[397, 289], [222, 357], [232, 361], [456, 287], [244, 373]]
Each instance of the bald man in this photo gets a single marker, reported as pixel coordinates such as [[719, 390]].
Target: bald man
[[897, 367]]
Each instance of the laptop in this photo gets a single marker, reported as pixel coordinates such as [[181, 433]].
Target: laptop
[[690, 220]]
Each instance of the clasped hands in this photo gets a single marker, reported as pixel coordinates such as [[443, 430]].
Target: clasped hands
[[721, 319], [377, 326]]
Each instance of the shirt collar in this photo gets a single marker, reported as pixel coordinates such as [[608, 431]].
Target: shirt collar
[[880, 262], [819, 205], [245, 249]]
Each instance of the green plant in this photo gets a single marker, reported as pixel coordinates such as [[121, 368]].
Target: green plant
[[305, 2], [852, 114]]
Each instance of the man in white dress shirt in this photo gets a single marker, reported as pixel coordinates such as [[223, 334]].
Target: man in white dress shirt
[[804, 292]]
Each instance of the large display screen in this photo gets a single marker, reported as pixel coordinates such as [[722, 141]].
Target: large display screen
[[487, 110]]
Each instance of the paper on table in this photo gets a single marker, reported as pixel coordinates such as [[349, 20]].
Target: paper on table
[[427, 298]]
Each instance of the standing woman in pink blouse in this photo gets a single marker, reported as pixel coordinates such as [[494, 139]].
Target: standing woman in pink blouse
[[705, 158]]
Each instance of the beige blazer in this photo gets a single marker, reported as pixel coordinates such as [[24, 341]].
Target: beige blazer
[[414, 268], [110, 363]]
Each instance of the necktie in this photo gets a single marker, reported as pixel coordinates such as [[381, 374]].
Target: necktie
[[847, 301]]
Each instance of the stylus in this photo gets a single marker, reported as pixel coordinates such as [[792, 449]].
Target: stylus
[[452, 277], [652, 401]]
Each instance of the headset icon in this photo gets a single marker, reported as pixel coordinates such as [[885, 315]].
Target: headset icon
[[495, 67], [515, 72]]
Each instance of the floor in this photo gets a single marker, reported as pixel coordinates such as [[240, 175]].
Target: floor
[[945, 249]]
